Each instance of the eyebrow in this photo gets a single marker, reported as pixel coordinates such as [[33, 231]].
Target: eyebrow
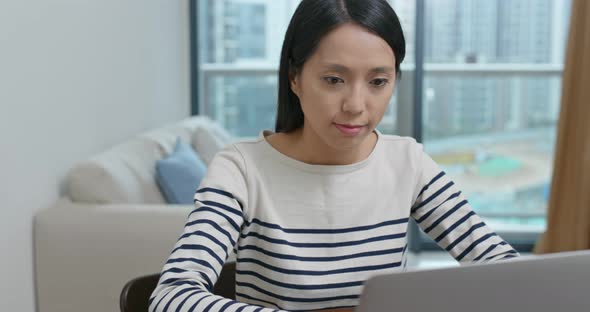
[[344, 69]]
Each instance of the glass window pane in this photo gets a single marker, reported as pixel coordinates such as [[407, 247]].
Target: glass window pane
[[244, 104], [495, 31], [406, 12], [492, 126], [495, 137], [243, 31]]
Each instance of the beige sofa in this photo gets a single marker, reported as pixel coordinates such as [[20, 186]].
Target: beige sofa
[[114, 223]]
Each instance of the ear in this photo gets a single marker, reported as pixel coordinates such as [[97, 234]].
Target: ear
[[293, 82], [295, 86]]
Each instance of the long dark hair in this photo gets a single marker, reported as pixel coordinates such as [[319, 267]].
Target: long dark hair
[[311, 21]]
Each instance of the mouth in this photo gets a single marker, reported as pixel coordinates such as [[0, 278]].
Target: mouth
[[348, 129]]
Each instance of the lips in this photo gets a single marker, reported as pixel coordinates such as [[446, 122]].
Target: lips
[[349, 126], [349, 130]]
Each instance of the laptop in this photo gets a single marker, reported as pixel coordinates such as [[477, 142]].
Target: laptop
[[543, 283]]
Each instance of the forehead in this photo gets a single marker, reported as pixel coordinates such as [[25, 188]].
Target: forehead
[[354, 47]]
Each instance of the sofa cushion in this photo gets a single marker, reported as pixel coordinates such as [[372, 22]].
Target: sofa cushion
[[180, 173], [209, 139], [122, 174], [167, 136]]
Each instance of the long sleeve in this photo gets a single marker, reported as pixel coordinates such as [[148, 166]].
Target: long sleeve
[[209, 236], [445, 215]]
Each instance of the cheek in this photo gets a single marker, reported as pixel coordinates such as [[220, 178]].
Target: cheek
[[317, 102], [382, 99], [382, 103], [378, 106]]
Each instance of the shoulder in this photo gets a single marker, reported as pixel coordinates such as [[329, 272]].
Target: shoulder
[[248, 148], [401, 145], [403, 154], [229, 172], [237, 155], [396, 139]]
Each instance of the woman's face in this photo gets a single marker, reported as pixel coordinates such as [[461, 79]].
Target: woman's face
[[345, 86]]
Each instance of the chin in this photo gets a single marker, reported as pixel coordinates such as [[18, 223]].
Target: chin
[[347, 143]]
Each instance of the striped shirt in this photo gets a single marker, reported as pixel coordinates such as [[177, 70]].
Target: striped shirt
[[305, 236]]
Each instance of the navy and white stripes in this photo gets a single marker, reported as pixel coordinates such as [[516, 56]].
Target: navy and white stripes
[[284, 268], [307, 237], [195, 262], [315, 268], [446, 216]]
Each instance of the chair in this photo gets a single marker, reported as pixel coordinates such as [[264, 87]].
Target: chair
[[136, 293]]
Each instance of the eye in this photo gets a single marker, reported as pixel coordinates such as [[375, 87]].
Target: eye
[[333, 80], [379, 82]]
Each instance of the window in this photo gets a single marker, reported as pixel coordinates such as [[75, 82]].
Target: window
[[491, 91], [239, 52], [489, 74]]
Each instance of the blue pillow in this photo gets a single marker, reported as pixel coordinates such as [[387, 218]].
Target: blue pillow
[[179, 174]]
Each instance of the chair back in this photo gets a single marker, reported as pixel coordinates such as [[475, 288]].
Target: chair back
[[136, 293]]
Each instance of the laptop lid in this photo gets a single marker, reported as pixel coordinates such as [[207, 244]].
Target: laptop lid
[[546, 283]]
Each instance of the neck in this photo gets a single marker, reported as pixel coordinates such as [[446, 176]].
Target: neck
[[311, 149]]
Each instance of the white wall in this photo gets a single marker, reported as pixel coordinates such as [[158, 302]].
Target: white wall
[[76, 76]]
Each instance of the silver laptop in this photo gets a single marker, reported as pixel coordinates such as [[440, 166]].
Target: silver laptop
[[547, 283]]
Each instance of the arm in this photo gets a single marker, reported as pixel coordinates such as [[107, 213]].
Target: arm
[[209, 236], [445, 215]]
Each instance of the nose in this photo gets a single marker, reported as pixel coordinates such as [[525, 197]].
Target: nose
[[354, 103]]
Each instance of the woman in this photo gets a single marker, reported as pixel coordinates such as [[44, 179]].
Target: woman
[[322, 204]]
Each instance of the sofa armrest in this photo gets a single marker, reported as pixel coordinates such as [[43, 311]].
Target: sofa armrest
[[85, 253]]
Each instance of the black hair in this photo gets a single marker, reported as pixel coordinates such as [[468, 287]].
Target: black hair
[[311, 21]]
